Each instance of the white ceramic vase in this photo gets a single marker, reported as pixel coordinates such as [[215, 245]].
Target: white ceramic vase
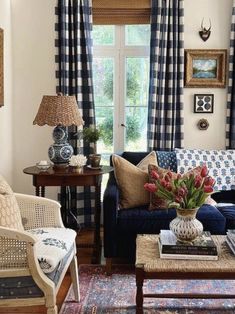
[[185, 226]]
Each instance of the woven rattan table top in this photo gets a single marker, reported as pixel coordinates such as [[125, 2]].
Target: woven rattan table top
[[147, 253]]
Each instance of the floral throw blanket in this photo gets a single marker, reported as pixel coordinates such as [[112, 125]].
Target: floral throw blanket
[[52, 246], [220, 163]]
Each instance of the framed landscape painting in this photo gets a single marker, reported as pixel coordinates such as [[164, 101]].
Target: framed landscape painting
[[205, 68]]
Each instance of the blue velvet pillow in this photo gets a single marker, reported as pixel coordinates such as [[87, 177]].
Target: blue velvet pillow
[[167, 160]]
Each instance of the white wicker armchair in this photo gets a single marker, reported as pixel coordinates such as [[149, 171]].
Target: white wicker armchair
[[19, 264]]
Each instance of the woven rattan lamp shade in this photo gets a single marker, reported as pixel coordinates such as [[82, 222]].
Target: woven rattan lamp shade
[[58, 110]]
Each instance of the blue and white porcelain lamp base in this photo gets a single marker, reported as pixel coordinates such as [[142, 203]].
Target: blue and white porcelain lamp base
[[61, 151]]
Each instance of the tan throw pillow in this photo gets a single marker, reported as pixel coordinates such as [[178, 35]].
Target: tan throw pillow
[[155, 201], [9, 210], [131, 180]]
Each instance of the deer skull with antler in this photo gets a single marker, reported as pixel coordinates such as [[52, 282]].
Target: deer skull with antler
[[204, 32]]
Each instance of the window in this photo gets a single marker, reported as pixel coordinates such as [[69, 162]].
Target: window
[[121, 73]]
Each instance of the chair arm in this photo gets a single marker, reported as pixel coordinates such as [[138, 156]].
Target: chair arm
[[18, 257], [13, 248], [38, 212], [110, 207]]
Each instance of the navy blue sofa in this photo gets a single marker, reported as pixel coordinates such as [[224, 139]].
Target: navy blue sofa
[[122, 225]]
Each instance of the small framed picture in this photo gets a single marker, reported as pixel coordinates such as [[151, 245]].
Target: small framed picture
[[203, 103]]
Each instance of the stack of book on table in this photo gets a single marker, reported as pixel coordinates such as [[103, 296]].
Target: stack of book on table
[[230, 239], [203, 248]]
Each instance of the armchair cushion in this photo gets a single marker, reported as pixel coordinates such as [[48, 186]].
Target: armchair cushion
[[25, 286], [131, 180], [52, 246], [9, 210]]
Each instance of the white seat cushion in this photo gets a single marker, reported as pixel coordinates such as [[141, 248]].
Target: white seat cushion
[[52, 246]]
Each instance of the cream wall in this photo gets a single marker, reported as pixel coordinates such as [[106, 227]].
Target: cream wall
[[34, 75], [219, 11], [6, 126]]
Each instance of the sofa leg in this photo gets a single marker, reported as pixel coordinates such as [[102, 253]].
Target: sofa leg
[[108, 266]]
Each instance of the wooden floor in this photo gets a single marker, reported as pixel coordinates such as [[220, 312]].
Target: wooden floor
[[84, 257]]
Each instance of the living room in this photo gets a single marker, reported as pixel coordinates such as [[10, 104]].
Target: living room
[[30, 73]]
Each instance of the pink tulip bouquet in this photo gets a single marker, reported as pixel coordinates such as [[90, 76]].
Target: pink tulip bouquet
[[187, 191]]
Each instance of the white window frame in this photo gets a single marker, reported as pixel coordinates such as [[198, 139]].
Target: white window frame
[[119, 52]]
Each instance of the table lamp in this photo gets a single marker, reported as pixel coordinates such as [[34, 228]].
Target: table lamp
[[59, 111]]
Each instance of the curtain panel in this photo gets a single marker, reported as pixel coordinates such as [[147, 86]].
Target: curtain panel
[[165, 109], [230, 116], [74, 74]]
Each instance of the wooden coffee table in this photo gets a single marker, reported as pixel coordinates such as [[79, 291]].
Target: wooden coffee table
[[149, 265]]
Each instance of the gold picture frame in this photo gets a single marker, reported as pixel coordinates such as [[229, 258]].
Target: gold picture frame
[[1, 69], [205, 68]]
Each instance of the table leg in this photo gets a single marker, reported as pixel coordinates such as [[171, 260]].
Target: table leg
[[37, 190], [97, 241], [139, 290], [42, 191], [63, 202]]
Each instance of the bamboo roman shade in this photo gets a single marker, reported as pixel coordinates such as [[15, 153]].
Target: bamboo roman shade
[[121, 12]]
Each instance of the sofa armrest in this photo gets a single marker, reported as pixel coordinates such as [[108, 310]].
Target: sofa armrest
[[110, 206]]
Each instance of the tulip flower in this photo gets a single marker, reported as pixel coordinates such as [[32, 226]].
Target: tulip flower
[[197, 181], [209, 181], [204, 171], [151, 187], [208, 189], [163, 183], [178, 199], [169, 187], [154, 175]]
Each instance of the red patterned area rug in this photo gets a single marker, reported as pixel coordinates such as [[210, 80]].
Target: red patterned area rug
[[101, 294]]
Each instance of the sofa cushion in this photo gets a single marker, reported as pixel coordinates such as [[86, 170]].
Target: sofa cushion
[[228, 211], [141, 220], [131, 180], [9, 210], [52, 246], [224, 196]]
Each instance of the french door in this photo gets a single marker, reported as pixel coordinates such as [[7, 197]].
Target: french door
[[121, 74]]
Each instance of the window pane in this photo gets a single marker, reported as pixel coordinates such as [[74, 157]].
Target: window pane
[[137, 78], [103, 81], [104, 121], [136, 129], [103, 35], [137, 35]]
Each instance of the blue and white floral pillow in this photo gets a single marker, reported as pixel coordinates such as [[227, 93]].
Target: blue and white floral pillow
[[220, 163]]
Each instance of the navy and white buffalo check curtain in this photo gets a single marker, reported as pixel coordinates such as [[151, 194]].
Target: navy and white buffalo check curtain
[[74, 74], [230, 119], [165, 112]]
